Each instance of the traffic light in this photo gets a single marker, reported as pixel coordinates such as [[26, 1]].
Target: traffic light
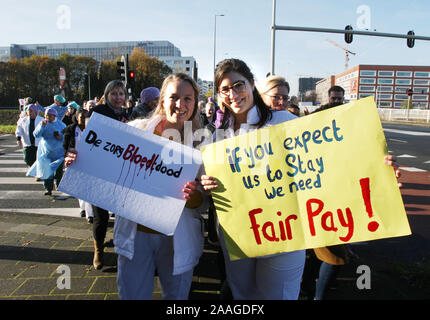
[[122, 69], [130, 78], [410, 42], [348, 36]]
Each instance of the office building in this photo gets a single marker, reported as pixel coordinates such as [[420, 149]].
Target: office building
[[101, 51], [307, 84], [387, 83]]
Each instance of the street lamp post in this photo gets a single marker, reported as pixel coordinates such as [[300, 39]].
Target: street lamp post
[[213, 86]]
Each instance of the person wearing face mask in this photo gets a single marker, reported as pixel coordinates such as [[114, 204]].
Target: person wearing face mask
[[148, 102], [114, 96], [50, 155]]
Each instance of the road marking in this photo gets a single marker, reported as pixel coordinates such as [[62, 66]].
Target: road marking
[[12, 161], [396, 140], [427, 161], [14, 170], [412, 169], [411, 133], [31, 195], [23, 180], [406, 156], [10, 146], [11, 155]]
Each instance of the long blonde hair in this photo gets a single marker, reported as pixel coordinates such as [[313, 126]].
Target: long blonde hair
[[161, 112], [195, 118]]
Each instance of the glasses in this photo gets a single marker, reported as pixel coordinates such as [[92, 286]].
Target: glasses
[[278, 97], [238, 87]]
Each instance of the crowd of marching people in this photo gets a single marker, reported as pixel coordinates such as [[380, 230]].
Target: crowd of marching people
[[49, 136]]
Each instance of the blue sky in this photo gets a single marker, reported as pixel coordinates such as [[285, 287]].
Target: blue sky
[[244, 31]]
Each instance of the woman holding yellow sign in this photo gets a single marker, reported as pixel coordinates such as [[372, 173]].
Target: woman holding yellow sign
[[269, 277], [275, 276]]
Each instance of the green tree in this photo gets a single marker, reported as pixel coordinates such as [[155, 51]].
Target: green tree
[[149, 72]]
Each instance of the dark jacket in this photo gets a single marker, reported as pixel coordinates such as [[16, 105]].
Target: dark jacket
[[107, 111], [69, 137], [322, 108], [142, 110]]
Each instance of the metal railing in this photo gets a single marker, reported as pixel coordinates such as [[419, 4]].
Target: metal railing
[[404, 114]]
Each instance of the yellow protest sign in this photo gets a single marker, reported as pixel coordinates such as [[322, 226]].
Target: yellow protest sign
[[311, 182]]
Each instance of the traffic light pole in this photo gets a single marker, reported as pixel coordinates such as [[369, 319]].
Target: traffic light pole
[[326, 30]]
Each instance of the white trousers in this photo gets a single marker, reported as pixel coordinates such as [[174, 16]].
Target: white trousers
[[87, 207], [135, 278], [276, 277]]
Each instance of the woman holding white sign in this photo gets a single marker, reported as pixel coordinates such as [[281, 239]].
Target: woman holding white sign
[[115, 94], [142, 250]]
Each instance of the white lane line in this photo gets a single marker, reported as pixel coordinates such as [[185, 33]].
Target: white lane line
[[62, 212], [11, 155], [411, 133], [406, 156], [397, 140], [23, 180], [12, 161], [14, 170], [13, 195], [9, 146], [412, 169]]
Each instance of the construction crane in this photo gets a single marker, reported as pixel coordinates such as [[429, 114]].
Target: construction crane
[[347, 52]]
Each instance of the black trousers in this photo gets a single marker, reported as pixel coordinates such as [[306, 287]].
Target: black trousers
[[30, 153], [100, 224]]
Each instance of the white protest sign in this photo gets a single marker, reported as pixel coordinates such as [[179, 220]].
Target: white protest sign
[[132, 173]]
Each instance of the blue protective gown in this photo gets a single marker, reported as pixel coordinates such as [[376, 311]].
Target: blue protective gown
[[61, 111], [50, 153]]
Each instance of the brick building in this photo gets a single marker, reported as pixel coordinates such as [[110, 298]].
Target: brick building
[[387, 83]]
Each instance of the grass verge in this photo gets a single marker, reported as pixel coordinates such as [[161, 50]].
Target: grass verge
[[7, 129]]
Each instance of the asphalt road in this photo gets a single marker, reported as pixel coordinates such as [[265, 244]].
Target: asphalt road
[[409, 143]]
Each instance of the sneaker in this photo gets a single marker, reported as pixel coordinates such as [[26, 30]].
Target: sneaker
[[48, 193], [90, 220], [82, 213]]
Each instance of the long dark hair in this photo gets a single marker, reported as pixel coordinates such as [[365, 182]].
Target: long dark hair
[[236, 65]]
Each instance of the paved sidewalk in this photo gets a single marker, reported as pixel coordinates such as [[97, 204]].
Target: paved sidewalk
[[33, 247]]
